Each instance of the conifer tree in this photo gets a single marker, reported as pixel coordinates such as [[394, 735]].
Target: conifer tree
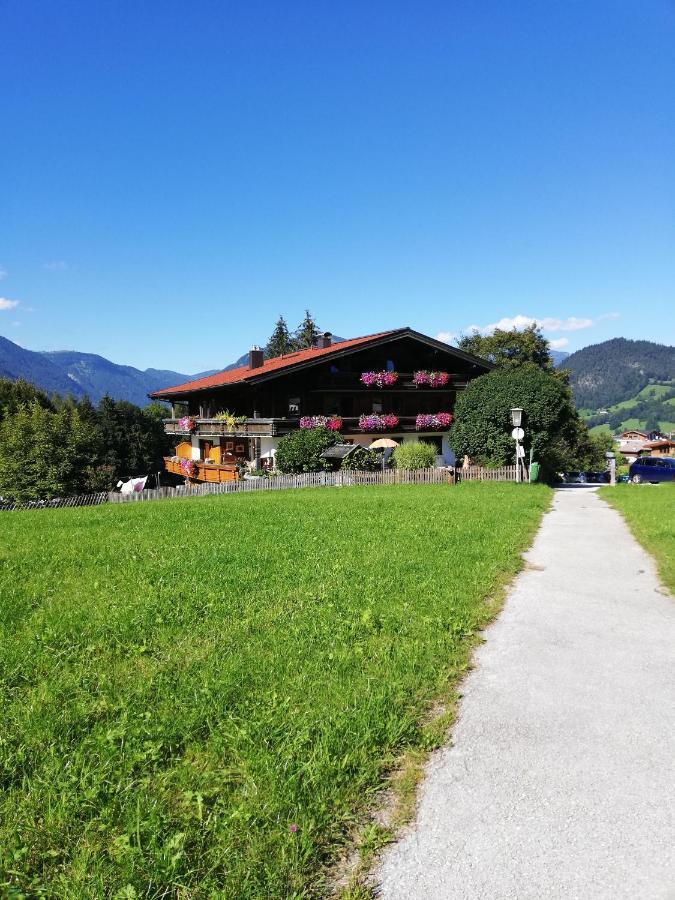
[[280, 341], [307, 332]]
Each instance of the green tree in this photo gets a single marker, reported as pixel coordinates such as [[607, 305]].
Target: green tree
[[307, 332], [482, 426], [510, 348], [43, 453], [15, 394], [301, 450], [280, 341]]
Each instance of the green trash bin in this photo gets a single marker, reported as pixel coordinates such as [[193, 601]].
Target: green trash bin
[[534, 472]]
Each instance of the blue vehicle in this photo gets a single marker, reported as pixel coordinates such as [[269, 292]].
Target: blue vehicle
[[653, 469]]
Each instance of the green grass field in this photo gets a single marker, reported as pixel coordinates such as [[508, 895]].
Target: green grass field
[[201, 697], [648, 510]]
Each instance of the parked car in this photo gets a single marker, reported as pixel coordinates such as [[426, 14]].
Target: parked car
[[653, 469]]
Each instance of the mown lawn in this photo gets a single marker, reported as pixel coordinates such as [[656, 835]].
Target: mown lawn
[[200, 697], [649, 511]]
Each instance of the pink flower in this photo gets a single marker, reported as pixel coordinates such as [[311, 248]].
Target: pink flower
[[293, 828], [433, 379], [374, 422], [436, 422], [333, 423], [379, 379]]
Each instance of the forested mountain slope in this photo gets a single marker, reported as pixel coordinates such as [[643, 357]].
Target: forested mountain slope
[[617, 370]]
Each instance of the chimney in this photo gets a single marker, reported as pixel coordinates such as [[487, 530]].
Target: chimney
[[256, 357], [325, 340]]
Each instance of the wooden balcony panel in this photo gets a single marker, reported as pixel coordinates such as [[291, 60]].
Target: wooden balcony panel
[[214, 474]]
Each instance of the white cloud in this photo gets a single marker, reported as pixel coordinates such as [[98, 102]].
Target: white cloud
[[446, 336], [57, 265], [571, 323], [8, 304], [559, 343], [614, 315], [3, 272]]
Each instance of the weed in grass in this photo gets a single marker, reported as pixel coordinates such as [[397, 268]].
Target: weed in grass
[[184, 683]]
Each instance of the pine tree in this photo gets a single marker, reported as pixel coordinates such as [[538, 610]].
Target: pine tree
[[307, 332], [281, 341]]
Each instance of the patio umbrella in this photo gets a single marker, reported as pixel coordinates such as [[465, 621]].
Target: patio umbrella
[[383, 442]]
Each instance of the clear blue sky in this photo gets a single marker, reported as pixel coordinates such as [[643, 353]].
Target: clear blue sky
[[175, 175]]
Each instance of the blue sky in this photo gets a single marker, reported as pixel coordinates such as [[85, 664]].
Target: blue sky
[[175, 175]]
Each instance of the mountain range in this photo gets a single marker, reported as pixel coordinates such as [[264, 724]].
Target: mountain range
[[71, 372], [601, 374]]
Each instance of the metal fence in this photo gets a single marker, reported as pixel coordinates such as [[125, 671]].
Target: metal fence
[[346, 478]]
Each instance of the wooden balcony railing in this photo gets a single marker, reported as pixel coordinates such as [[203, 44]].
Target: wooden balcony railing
[[249, 428], [205, 428]]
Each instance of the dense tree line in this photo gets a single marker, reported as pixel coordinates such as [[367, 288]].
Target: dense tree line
[[56, 446], [617, 370]]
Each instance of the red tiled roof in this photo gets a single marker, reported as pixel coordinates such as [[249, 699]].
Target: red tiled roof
[[288, 360]]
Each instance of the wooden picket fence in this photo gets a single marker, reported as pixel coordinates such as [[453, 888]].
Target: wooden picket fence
[[58, 502], [479, 473], [286, 482], [345, 478]]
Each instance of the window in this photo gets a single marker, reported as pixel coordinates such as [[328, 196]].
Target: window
[[390, 365], [293, 406], [377, 405]]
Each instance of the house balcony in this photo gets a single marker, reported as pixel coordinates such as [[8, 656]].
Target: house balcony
[[208, 428], [203, 471]]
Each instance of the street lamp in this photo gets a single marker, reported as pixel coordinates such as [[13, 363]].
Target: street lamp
[[518, 434]]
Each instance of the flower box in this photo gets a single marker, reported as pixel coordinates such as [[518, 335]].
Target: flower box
[[188, 468], [433, 422], [425, 378], [379, 379], [188, 423], [375, 422], [332, 423]]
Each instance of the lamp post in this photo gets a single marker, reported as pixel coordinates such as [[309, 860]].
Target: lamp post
[[518, 434]]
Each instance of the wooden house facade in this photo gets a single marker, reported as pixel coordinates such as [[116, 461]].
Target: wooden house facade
[[400, 383]]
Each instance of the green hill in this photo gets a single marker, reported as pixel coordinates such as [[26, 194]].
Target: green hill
[[653, 407], [618, 371]]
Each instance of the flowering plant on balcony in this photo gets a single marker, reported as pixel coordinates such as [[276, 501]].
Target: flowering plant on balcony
[[431, 379], [379, 379], [374, 422], [436, 422], [188, 467], [187, 423], [229, 419], [332, 423]]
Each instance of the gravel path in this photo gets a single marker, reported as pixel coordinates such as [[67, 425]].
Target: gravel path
[[560, 781]]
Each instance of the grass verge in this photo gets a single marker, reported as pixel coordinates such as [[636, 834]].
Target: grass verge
[[648, 510], [202, 697]]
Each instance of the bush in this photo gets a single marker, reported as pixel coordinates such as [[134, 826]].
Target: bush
[[301, 450], [553, 430], [363, 460], [416, 455]]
